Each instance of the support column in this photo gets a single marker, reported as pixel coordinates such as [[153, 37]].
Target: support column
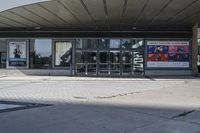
[[195, 49]]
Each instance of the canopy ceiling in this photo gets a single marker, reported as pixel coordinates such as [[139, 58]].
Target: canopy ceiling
[[100, 14]]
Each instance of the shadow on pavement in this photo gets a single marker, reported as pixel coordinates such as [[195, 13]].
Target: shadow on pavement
[[100, 118]]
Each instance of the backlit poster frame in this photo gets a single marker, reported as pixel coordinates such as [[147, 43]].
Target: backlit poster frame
[[17, 56], [61, 53], [161, 54]]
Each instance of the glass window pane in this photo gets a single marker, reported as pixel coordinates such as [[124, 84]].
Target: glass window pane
[[127, 57], [91, 57], [42, 55], [198, 63], [104, 57], [132, 44], [114, 56], [3, 53], [114, 43], [79, 57], [104, 43], [63, 54], [87, 43]]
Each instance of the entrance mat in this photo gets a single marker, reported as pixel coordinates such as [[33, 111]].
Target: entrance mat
[[7, 106]]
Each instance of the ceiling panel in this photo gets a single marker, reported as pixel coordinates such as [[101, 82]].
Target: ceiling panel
[[4, 25], [25, 13], [78, 10], [61, 12], [10, 22], [104, 14], [132, 13], [19, 19], [96, 8], [45, 14], [115, 9], [187, 13], [171, 11], [153, 9]]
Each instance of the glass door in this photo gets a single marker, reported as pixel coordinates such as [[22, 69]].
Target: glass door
[[127, 63], [104, 67], [114, 59], [86, 63]]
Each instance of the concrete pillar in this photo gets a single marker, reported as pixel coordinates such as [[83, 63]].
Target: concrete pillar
[[195, 49]]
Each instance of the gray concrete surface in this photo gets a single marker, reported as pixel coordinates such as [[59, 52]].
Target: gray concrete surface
[[102, 105], [9, 106]]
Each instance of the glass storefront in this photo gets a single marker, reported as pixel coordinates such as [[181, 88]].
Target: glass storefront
[[198, 63], [3, 53], [96, 57], [109, 57]]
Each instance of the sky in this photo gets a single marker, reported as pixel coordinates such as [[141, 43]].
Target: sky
[[7, 4]]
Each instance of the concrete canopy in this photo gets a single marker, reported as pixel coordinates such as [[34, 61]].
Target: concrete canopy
[[100, 14]]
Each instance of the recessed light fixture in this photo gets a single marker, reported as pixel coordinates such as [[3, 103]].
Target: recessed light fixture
[[37, 28], [134, 28]]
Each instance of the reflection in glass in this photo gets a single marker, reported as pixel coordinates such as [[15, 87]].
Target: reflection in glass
[[103, 62], [87, 43], [114, 43], [114, 56], [3, 53], [86, 62], [132, 43], [42, 56], [127, 60], [110, 58], [104, 57], [104, 43], [114, 62], [63, 54], [198, 63], [127, 57]]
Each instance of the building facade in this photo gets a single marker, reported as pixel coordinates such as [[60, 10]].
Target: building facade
[[88, 38]]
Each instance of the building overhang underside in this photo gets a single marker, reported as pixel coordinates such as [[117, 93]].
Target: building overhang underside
[[97, 17]]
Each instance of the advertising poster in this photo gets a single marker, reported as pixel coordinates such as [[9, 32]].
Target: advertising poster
[[168, 54], [63, 53], [17, 54]]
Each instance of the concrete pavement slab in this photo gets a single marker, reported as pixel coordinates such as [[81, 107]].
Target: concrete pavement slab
[[168, 127], [101, 106]]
